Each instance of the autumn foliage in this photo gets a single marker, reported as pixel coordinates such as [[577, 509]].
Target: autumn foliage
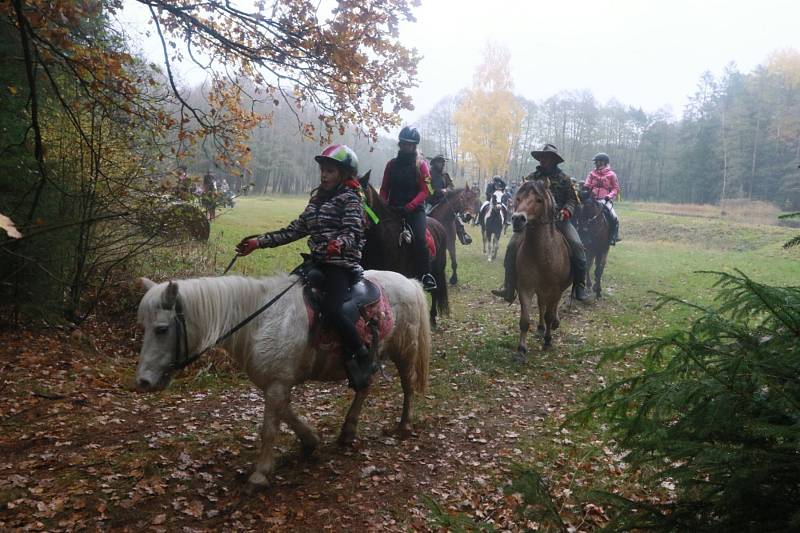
[[489, 116], [95, 129]]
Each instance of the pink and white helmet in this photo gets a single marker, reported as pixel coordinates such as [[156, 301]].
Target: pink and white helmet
[[341, 154]]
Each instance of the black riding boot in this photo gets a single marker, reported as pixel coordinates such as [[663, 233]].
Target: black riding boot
[[461, 232], [615, 232], [509, 290], [359, 368], [579, 279]]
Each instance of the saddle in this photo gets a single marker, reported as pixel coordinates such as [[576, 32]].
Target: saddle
[[365, 306]]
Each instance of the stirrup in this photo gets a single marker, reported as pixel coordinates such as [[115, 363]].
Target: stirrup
[[428, 282]]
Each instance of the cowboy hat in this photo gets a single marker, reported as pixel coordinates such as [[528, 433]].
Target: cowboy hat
[[547, 149]]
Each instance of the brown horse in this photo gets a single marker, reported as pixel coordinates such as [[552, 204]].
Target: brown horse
[[542, 266], [593, 229], [455, 202], [382, 250]]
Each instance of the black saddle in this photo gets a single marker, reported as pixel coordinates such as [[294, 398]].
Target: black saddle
[[362, 292]]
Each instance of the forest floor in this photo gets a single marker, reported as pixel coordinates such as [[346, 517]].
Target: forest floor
[[79, 448]]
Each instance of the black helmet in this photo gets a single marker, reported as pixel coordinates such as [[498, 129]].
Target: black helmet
[[602, 156], [409, 135]]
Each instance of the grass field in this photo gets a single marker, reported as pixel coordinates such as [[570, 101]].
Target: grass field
[[485, 423]]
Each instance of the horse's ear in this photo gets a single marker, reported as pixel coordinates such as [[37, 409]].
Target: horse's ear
[[466, 187], [170, 296], [145, 284], [364, 180]]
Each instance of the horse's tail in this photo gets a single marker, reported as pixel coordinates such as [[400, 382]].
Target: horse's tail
[[423, 358], [439, 264]]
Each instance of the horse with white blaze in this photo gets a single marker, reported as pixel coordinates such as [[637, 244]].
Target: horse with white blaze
[[276, 349]]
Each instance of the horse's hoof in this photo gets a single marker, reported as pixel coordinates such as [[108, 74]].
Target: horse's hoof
[[257, 481], [404, 432], [453, 281], [346, 439], [548, 343], [308, 448], [522, 354]]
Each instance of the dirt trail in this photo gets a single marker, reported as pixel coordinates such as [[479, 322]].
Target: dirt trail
[[80, 450]]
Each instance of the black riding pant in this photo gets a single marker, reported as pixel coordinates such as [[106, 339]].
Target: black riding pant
[[417, 220], [336, 282]]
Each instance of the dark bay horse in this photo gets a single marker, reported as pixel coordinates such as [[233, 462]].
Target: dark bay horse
[[456, 202], [594, 232], [542, 266], [382, 250]]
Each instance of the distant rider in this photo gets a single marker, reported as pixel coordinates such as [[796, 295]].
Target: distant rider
[[334, 222], [406, 184], [603, 184]]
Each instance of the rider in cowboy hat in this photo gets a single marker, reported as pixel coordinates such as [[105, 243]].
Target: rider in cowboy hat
[[566, 200], [440, 180]]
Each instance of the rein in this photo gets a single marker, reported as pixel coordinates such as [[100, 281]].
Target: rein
[[183, 359]]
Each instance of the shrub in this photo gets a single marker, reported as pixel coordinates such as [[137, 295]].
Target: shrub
[[716, 412]]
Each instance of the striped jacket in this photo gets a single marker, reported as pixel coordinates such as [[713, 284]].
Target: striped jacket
[[340, 217]]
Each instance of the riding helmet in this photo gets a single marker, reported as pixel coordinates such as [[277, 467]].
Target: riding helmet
[[409, 135], [602, 156], [342, 155]]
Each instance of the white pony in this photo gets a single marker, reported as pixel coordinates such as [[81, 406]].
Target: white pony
[[275, 350]]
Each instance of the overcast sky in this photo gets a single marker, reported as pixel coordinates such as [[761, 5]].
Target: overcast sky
[[644, 53]]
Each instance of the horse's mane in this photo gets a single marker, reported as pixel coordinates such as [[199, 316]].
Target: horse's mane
[[214, 304]]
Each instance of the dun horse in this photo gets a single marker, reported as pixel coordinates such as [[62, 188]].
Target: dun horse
[[383, 250], [542, 266], [594, 232], [275, 349], [455, 203]]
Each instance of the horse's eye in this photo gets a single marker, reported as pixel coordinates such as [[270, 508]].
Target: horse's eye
[[160, 330]]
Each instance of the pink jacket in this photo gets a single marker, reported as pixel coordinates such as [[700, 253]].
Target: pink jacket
[[602, 182]]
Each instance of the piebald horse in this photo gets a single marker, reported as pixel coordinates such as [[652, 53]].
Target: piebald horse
[[275, 350]]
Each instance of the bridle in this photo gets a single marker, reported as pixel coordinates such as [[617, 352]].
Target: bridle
[[181, 358]]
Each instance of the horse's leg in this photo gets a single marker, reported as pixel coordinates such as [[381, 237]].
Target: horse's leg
[[540, 326], [275, 404], [525, 301], [549, 320], [589, 261], [483, 237], [405, 370], [308, 438], [598, 273], [433, 310], [348, 432], [451, 249]]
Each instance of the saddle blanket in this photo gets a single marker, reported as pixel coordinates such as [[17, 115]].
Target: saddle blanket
[[373, 316]]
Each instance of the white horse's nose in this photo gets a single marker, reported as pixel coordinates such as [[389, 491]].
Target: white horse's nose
[[144, 384]]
